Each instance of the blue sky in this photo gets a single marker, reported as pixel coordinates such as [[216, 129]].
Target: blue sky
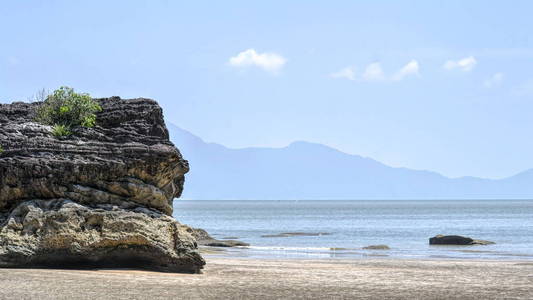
[[437, 85]]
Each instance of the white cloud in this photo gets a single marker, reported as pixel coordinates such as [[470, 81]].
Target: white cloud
[[270, 62], [465, 64], [374, 72], [411, 68], [494, 80], [347, 73]]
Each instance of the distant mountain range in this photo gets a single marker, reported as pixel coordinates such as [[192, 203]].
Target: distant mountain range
[[306, 170]]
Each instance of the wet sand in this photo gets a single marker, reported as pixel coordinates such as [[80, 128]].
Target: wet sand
[[246, 278]]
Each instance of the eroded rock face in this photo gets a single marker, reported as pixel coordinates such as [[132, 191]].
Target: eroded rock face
[[100, 197]]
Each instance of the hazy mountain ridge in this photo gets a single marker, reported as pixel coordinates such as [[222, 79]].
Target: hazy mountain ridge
[[305, 170]]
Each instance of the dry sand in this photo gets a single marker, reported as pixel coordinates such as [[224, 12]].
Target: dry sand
[[236, 278]]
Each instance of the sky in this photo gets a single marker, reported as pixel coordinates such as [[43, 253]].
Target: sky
[[445, 86]]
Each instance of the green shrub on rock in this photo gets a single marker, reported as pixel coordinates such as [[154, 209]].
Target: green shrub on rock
[[65, 109], [60, 130]]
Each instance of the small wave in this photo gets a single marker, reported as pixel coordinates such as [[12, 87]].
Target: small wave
[[295, 234], [283, 248], [497, 253]]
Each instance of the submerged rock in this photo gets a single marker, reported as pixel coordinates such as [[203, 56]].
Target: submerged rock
[[101, 197], [377, 247], [225, 243], [456, 240]]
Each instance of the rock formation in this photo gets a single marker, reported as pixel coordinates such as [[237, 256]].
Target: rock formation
[[456, 240], [101, 197], [205, 239]]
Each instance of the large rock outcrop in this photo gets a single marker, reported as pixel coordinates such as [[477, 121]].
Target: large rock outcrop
[[101, 197]]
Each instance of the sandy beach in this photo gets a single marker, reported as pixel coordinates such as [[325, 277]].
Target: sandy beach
[[245, 278]]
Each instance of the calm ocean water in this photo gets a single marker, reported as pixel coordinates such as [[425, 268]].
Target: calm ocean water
[[404, 226]]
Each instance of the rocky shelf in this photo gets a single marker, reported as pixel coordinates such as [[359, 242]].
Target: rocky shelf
[[101, 197]]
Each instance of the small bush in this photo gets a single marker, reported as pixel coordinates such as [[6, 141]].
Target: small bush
[[1, 149], [65, 109], [40, 96], [60, 130]]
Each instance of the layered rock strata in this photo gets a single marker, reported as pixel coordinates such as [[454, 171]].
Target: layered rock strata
[[100, 197]]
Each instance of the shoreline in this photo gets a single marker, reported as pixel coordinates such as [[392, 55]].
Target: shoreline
[[325, 253], [247, 278]]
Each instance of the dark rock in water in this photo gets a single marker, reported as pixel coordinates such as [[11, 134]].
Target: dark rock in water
[[340, 249], [377, 247], [101, 197], [289, 234], [456, 240], [482, 242], [225, 243], [205, 239]]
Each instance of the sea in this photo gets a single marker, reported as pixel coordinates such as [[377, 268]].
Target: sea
[[340, 229]]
